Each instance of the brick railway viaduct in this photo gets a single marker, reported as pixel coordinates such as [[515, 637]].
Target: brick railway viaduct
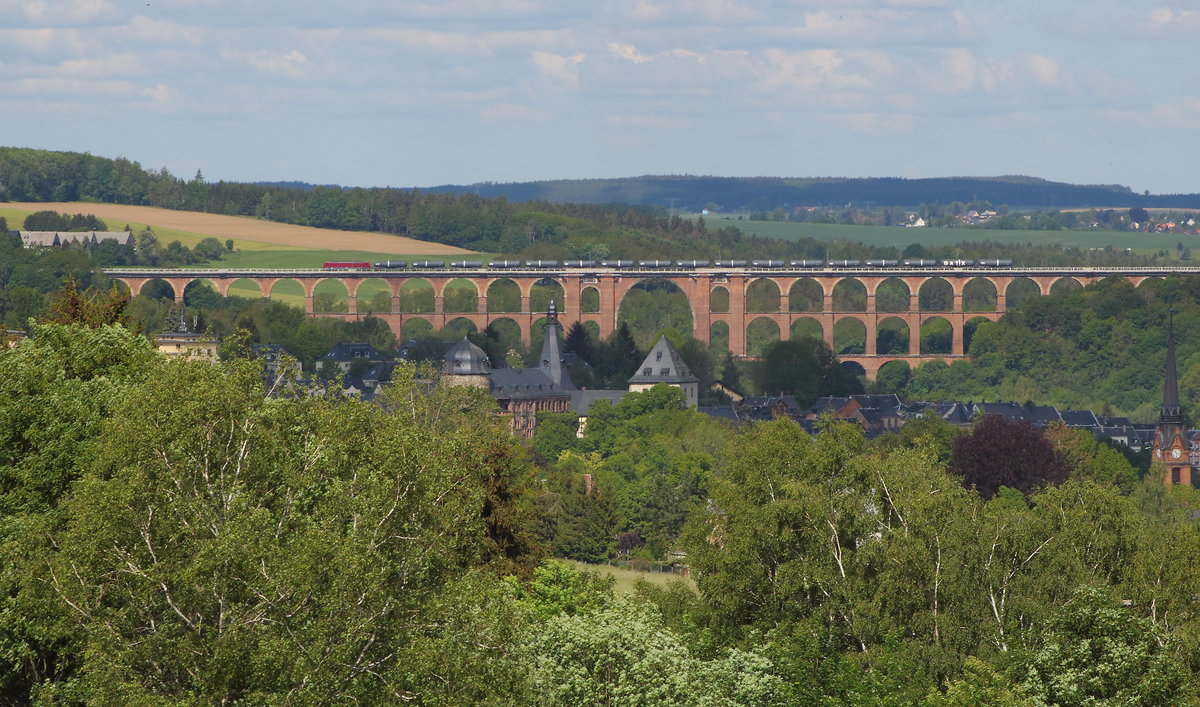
[[724, 302]]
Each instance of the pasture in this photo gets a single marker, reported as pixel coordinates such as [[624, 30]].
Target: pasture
[[899, 236], [627, 579]]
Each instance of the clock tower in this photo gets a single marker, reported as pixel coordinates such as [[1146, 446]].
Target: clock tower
[[1170, 437]]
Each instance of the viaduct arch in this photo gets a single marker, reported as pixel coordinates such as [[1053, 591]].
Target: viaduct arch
[[721, 299]]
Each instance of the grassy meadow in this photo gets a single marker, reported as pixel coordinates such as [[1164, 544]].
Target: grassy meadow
[[627, 579], [900, 237]]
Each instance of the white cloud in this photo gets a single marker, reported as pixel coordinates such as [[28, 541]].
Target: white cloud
[[563, 69], [1044, 69], [961, 71], [821, 70], [628, 52], [284, 63], [1168, 19], [161, 93]]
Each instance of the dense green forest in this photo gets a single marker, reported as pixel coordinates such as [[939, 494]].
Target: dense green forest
[[173, 535], [766, 193], [1101, 347]]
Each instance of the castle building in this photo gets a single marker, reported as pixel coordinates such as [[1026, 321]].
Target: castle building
[[524, 392], [1170, 447], [521, 392]]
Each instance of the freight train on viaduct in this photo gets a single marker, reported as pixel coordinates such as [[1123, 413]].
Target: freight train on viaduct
[[737, 303]]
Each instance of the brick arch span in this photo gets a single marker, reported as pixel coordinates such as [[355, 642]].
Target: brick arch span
[[612, 286], [696, 294], [178, 284]]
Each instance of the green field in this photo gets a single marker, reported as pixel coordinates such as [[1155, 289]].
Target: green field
[[898, 236], [627, 579]]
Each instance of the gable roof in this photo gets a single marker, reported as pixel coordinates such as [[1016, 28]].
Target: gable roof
[[663, 365], [345, 352], [30, 239]]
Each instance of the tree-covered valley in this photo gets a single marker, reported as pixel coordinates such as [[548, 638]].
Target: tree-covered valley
[[187, 532], [173, 534]]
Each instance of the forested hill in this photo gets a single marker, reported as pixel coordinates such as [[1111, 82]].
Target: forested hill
[[546, 228], [44, 175], [765, 193]]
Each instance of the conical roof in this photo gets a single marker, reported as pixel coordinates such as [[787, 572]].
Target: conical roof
[[551, 360], [465, 359], [664, 365]]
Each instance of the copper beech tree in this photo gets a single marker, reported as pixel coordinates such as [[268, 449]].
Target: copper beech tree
[[999, 452]]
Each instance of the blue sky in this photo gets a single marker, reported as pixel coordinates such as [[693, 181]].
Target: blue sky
[[392, 92]]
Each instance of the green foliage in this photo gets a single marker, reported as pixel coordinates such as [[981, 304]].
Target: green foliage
[[210, 249], [207, 543], [805, 368], [624, 655], [1099, 348], [54, 221], [1096, 652], [556, 588]]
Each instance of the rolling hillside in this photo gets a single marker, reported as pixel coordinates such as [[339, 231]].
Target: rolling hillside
[[248, 233]]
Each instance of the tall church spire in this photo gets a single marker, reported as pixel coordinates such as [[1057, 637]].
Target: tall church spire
[[1170, 406], [551, 360]]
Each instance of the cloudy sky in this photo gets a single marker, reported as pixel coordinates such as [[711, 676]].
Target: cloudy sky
[[418, 93]]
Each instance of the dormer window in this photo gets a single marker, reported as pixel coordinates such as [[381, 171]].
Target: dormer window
[[647, 371], [664, 371], [658, 355]]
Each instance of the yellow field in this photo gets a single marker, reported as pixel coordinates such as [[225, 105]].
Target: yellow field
[[189, 227]]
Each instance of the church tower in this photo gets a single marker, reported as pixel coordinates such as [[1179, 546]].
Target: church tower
[[1170, 437]]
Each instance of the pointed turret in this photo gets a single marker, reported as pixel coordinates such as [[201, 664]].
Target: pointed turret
[[551, 360]]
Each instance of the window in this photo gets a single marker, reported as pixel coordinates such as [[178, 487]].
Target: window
[[665, 371], [658, 355], [647, 371]]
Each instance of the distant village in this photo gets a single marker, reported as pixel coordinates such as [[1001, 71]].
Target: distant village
[[522, 393]]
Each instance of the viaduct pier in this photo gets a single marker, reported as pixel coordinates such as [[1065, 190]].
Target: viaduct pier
[[874, 304]]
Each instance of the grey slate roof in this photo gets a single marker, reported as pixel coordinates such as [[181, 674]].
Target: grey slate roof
[[720, 412], [466, 359], [1079, 418], [663, 365], [346, 352], [517, 383], [582, 400], [30, 239]]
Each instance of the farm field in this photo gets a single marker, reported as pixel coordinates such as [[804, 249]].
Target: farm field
[[626, 579], [189, 227], [897, 236]]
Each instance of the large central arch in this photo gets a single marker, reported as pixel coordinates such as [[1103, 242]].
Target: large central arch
[[653, 304]]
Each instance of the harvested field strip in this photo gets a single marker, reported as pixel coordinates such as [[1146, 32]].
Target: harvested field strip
[[239, 229]]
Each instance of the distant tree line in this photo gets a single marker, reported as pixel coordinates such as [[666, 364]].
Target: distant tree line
[[518, 224]]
